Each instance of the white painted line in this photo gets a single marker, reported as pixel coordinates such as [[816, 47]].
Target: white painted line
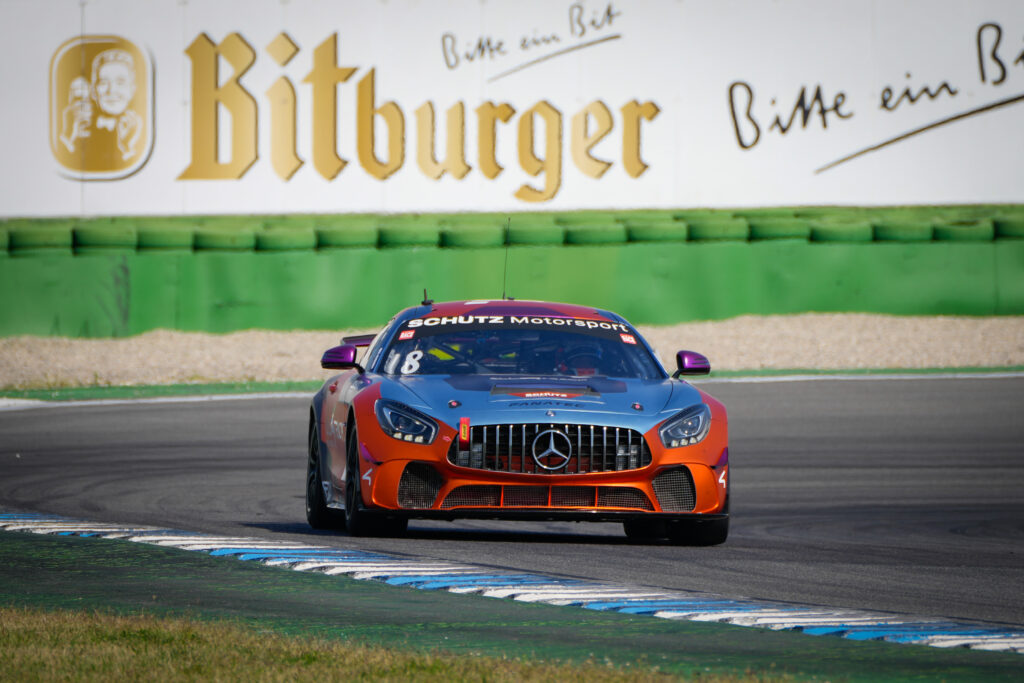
[[385, 569], [828, 620], [412, 571], [506, 591], [20, 403], [1015, 644], [974, 641], [585, 598], [742, 615]]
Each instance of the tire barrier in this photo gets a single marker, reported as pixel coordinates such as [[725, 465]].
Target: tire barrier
[[663, 230], [1009, 226], [200, 273], [347, 237], [161, 239], [778, 228], [45, 241], [903, 231], [535, 233], [478, 235], [718, 228], [220, 239], [859, 231], [90, 239], [286, 239], [595, 233], [966, 231], [409, 234]]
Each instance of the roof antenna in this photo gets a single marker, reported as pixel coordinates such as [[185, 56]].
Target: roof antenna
[[504, 278], [426, 301]]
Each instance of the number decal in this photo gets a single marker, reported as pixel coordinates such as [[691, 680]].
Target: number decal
[[412, 362], [721, 479]]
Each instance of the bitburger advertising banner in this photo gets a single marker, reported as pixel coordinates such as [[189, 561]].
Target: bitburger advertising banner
[[298, 106]]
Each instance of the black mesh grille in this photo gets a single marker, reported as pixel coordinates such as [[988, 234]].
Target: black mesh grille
[[675, 490], [620, 497], [473, 496], [537, 497], [509, 448], [419, 486], [572, 496], [526, 496]]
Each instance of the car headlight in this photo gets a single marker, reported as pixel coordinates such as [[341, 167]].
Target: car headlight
[[686, 428], [404, 423]]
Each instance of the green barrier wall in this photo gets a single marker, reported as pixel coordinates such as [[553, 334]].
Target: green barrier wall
[[122, 292]]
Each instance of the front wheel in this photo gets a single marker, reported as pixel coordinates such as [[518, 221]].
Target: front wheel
[[644, 530], [318, 514], [699, 532], [358, 520]]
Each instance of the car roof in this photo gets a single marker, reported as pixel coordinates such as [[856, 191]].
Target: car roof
[[508, 307]]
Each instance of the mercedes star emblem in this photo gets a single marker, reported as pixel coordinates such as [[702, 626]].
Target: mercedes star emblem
[[552, 450]]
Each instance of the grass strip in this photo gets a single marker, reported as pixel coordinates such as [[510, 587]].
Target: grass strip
[[66, 645], [55, 573], [171, 390]]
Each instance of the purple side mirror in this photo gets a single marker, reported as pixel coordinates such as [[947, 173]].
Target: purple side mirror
[[691, 363], [340, 358]]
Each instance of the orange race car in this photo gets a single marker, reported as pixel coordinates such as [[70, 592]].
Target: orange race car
[[516, 410]]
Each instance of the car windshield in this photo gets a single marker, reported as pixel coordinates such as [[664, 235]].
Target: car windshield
[[608, 349]]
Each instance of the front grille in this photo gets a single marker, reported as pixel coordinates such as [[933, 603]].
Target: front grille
[[675, 491], [619, 497], [572, 496], [419, 486], [526, 496], [547, 497], [473, 496], [511, 448]]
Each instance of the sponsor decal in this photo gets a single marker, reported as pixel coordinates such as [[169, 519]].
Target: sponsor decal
[[628, 338], [544, 404], [101, 107], [463, 431], [514, 320], [544, 392], [406, 334]]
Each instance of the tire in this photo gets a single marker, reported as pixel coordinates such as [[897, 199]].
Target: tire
[[644, 530], [358, 521], [699, 532], [286, 239], [318, 514], [207, 239], [842, 232]]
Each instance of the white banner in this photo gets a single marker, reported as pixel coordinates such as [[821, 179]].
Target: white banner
[[285, 106]]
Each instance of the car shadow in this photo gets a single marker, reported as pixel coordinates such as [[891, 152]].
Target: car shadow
[[468, 535]]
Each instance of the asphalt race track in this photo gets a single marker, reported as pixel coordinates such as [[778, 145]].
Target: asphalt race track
[[883, 494]]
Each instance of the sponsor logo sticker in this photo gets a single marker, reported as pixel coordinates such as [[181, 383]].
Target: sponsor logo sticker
[[406, 334], [628, 338]]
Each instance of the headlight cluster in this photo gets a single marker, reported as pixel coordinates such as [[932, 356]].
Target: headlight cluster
[[404, 423], [686, 428]]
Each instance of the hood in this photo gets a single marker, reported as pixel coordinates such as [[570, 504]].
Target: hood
[[637, 404]]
